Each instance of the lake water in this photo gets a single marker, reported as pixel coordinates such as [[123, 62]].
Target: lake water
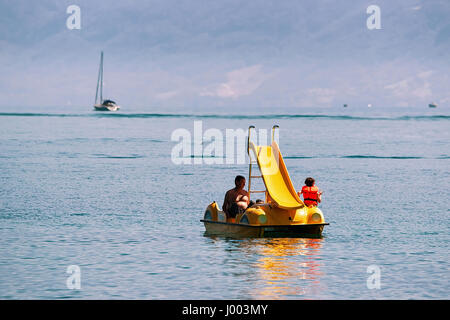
[[100, 191]]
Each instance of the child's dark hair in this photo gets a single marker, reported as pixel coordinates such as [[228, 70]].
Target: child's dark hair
[[309, 181]]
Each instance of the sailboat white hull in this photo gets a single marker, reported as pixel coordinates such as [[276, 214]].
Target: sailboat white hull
[[100, 107]]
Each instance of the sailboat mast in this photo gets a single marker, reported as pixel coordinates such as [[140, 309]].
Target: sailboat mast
[[100, 77], [101, 84]]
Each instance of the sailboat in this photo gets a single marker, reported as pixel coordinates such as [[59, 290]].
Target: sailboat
[[432, 105], [103, 105]]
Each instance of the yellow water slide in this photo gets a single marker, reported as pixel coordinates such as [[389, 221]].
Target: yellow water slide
[[275, 175]]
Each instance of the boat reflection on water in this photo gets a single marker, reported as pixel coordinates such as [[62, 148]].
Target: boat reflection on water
[[288, 268], [275, 268]]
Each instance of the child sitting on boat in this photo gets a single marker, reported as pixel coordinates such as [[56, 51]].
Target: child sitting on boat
[[258, 203], [311, 194]]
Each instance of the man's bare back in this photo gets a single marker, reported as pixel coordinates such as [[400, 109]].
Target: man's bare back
[[236, 195]]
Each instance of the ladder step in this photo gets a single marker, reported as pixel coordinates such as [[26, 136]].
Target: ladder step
[[255, 176], [257, 191]]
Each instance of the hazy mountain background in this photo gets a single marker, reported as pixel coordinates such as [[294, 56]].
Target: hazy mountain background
[[203, 53]]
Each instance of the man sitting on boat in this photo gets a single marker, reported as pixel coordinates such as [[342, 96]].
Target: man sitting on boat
[[237, 199]]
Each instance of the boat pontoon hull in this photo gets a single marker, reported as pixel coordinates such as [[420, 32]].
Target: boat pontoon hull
[[265, 220], [253, 231]]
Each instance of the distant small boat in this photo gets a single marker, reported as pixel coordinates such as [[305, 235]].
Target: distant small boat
[[107, 105], [432, 105], [369, 105], [103, 105], [345, 105]]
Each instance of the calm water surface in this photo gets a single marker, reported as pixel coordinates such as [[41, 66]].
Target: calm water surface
[[100, 191]]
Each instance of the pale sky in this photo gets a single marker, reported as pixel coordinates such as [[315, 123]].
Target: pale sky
[[225, 54]]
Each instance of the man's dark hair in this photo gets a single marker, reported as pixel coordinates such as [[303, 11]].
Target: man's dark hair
[[309, 181], [238, 179]]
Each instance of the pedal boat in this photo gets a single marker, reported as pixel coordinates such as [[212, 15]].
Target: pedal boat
[[282, 215], [265, 220]]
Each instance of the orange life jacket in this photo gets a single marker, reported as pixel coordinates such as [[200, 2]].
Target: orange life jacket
[[311, 195]]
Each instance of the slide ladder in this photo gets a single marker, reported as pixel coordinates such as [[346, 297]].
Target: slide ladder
[[279, 187]]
